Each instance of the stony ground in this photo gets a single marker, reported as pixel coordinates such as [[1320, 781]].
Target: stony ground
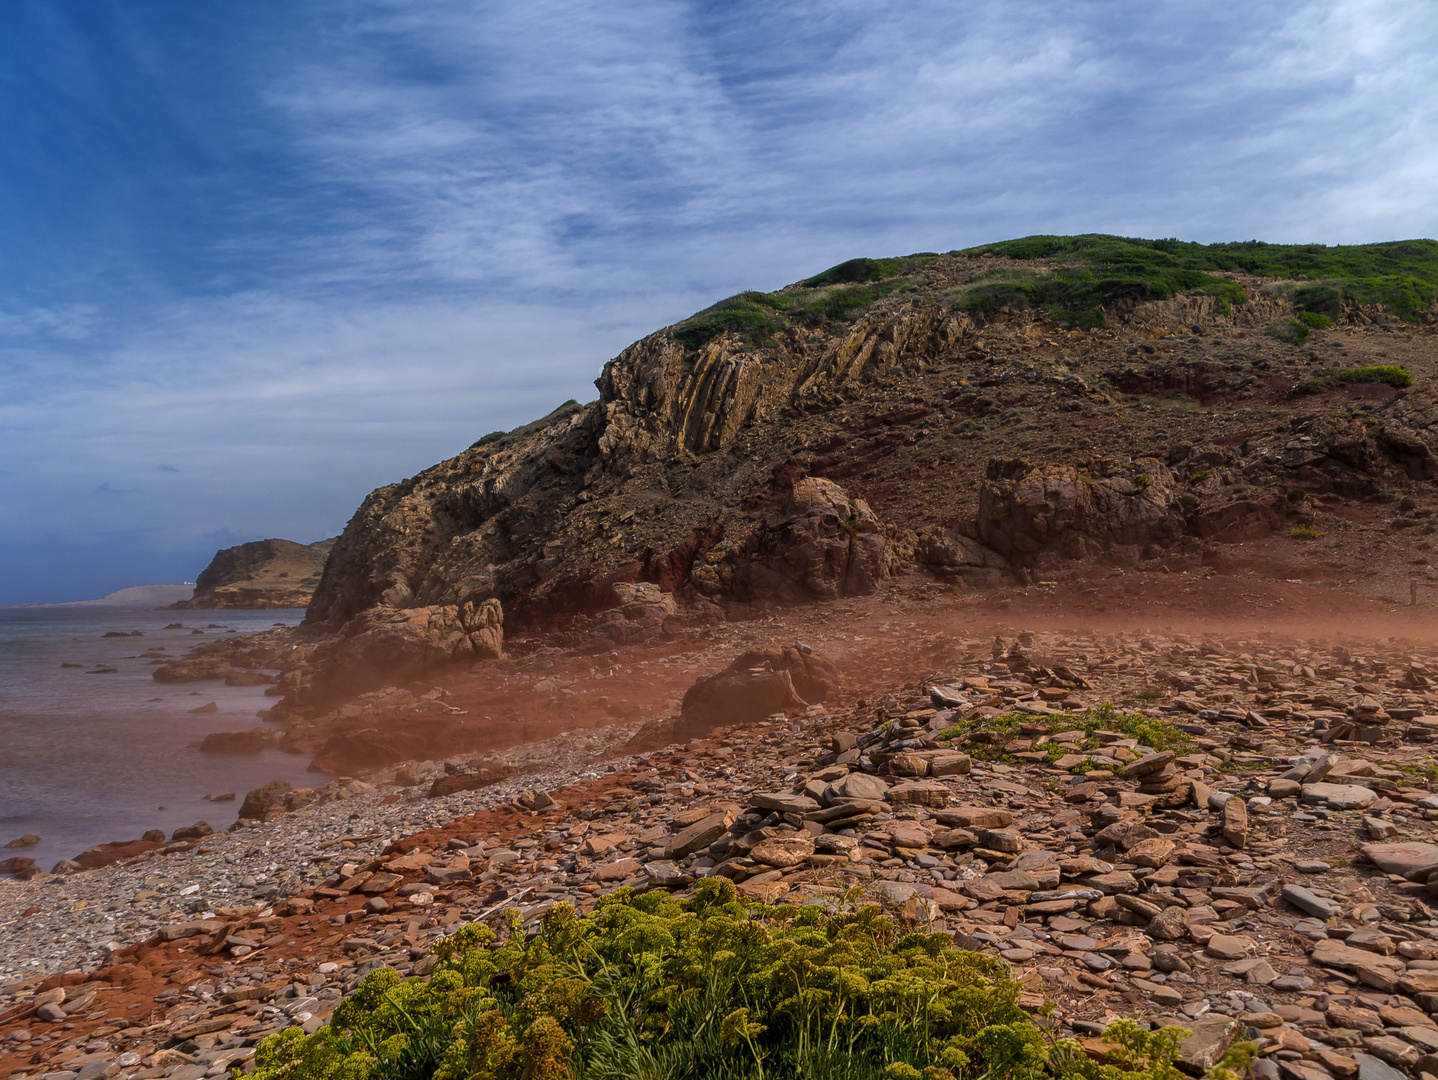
[[1239, 857]]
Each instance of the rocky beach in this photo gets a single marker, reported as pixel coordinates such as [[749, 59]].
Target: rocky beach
[[1231, 831]]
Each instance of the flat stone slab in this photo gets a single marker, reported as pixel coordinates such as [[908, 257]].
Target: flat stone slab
[[1331, 953], [1403, 859], [1340, 796], [1304, 900], [975, 817]]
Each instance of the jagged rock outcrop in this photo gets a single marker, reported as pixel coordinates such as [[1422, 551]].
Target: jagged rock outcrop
[[260, 574], [386, 645], [822, 546], [634, 487], [954, 556], [1040, 515], [671, 478], [1027, 509]]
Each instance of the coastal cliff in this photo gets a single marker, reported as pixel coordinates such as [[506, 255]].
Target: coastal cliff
[[260, 574], [985, 416]]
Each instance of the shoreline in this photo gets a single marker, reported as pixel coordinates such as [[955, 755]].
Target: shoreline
[[1201, 885]]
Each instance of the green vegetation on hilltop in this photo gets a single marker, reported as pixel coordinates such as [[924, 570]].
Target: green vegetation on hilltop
[[657, 988], [1403, 275], [758, 316], [857, 270], [1092, 272]]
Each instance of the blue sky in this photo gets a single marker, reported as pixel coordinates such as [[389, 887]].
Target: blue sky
[[260, 258]]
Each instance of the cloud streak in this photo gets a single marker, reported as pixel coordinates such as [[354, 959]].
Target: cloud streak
[[269, 257]]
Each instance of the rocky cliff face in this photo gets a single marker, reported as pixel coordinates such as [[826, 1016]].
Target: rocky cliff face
[[260, 574], [641, 485], [975, 446]]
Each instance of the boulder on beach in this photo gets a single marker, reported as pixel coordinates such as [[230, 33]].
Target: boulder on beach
[[262, 801]]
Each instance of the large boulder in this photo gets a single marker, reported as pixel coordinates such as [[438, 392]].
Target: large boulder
[[261, 802], [823, 545], [385, 645], [954, 555], [758, 684], [1026, 510]]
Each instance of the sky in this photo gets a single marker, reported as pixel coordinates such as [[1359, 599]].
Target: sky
[[261, 258]]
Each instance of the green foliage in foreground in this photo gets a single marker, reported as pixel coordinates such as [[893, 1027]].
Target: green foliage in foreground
[[1150, 731], [651, 987], [1395, 376]]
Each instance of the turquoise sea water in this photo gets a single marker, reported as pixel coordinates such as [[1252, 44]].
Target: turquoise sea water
[[89, 758]]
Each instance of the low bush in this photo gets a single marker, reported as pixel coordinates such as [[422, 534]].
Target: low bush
[[750, 314], [1392, 374], [1149, 730], [1402, 276], [1305, 532], [1290, 330], [712, 988], [860, 270], [1314, 321]]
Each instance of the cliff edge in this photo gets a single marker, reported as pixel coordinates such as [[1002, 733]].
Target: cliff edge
[[260, 574]]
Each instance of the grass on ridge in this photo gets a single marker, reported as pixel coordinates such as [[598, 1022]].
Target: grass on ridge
[[1402, 274]]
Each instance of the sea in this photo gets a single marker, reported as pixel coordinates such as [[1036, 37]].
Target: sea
[[88, 757]]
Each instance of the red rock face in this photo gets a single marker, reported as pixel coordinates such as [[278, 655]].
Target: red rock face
[[823, 546]]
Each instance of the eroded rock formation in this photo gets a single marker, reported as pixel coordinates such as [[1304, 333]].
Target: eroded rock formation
[[260, 574]]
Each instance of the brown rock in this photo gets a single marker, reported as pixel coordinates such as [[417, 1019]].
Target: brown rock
[[1152, 853], [783, 852], [1145, 766], [974, 817], [1235, 822], [756, 685], [823, 545], [699, 835]]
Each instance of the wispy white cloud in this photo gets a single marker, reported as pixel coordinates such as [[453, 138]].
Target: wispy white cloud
[[393, 227]]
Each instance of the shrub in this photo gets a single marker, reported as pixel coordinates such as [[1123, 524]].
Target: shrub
[[1290, 330], [1392, 374], [751, 314], [1305, 532], [654, 987], [1314, 320], [1148, 730], [859, 270], [1322, 300], [1402, 276], [1309, 386]]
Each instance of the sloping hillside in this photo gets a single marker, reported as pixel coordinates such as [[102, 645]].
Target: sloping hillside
[[1187, 395]]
